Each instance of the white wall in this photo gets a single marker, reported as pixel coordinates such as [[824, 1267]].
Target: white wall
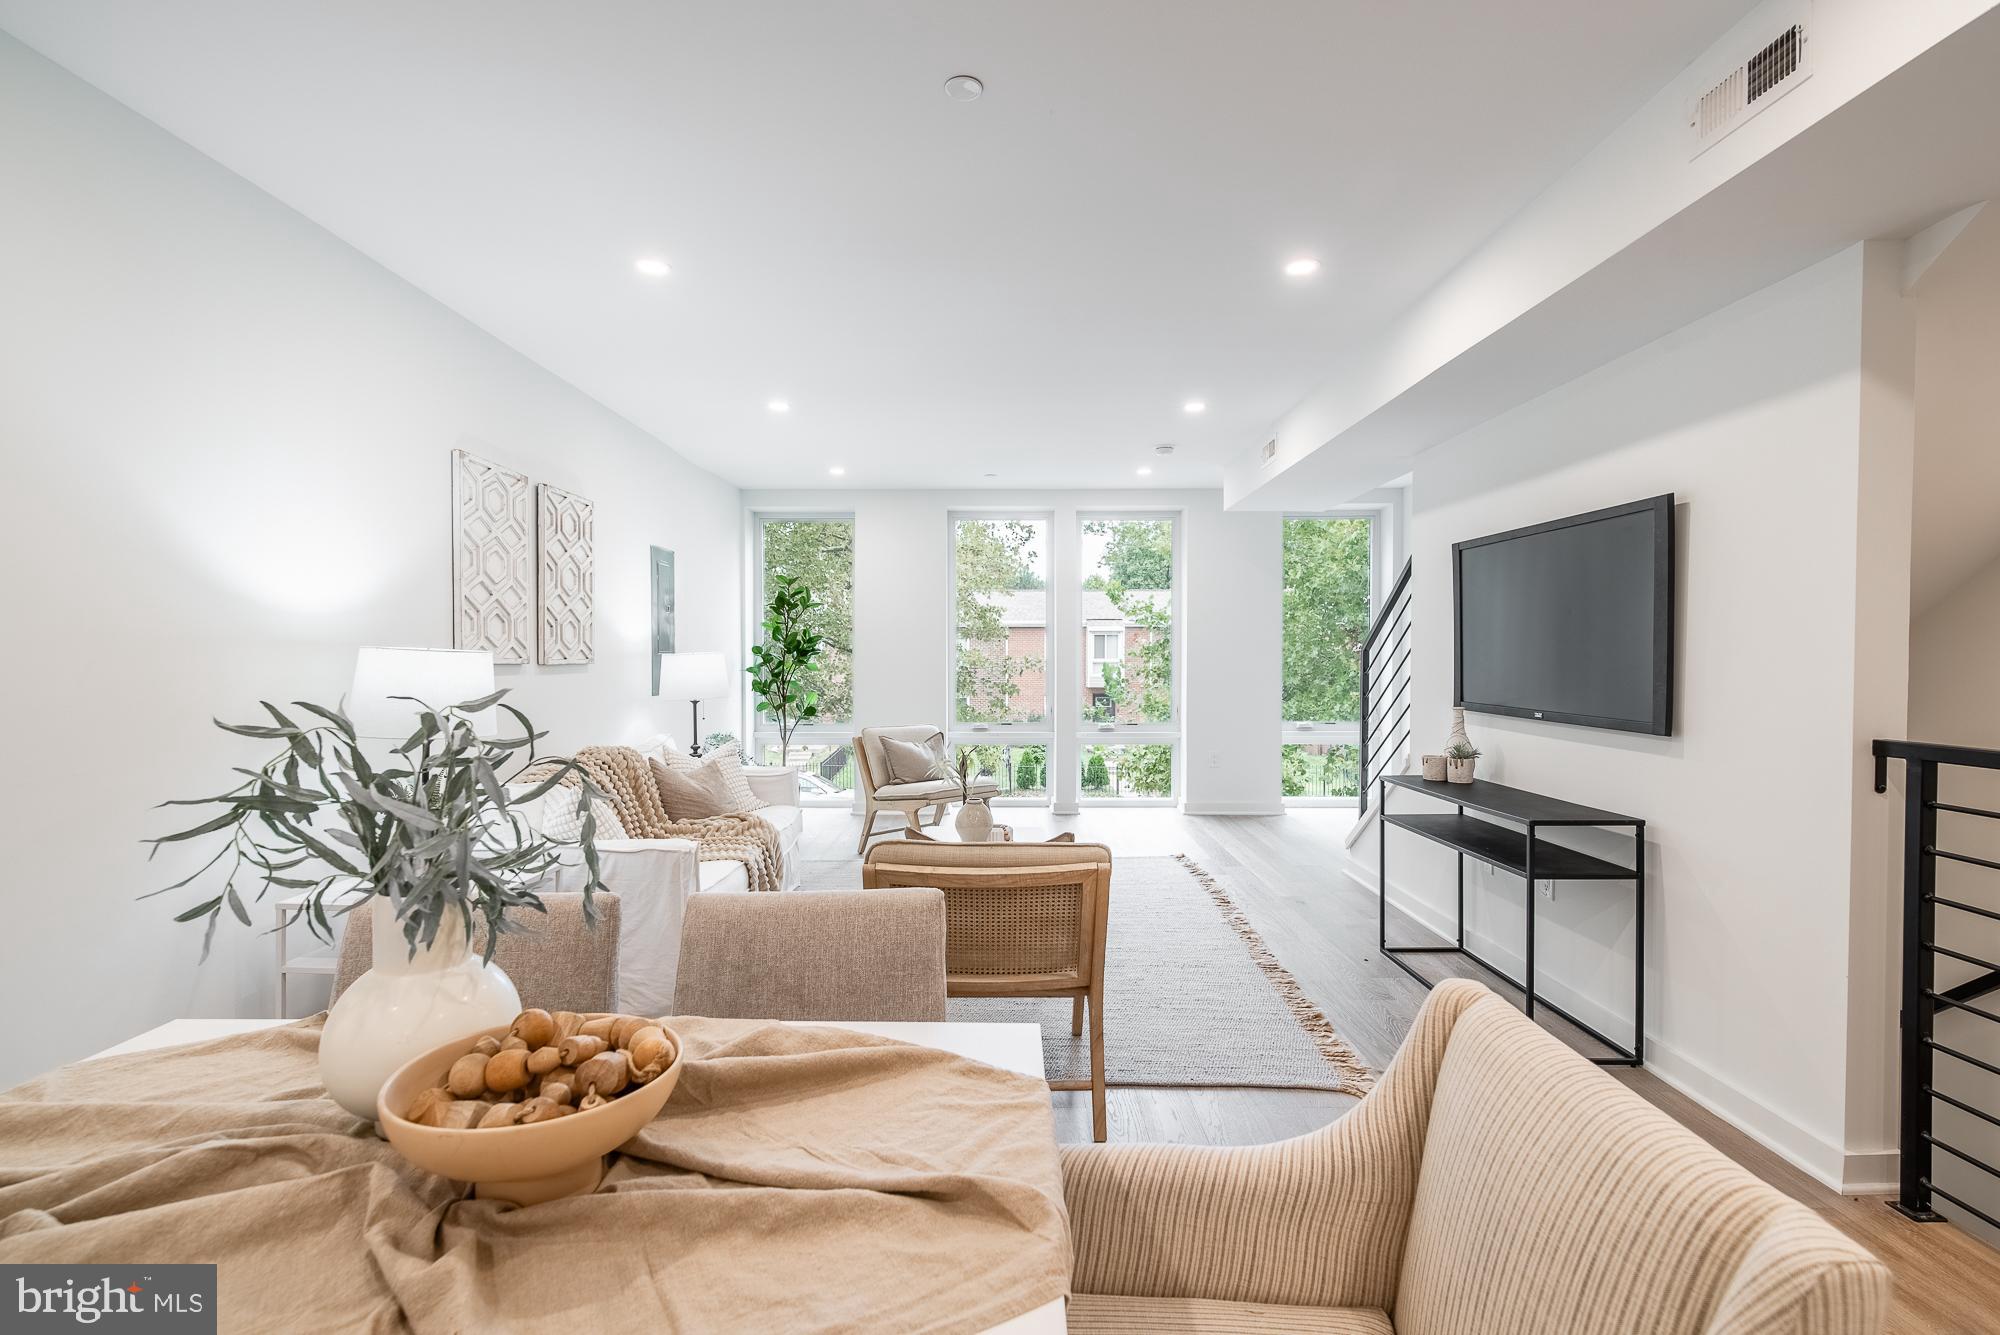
[[1958, 411], [1230, 642], [1954, 647], [1753, 417], [227, 438]]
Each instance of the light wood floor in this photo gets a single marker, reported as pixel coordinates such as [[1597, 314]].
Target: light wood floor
[[1284, 873]]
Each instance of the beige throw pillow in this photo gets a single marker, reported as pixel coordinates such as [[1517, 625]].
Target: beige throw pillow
[[912, 762], [692, 794], [727, 762]]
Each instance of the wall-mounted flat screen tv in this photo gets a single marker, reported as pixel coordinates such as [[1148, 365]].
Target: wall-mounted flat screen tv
[[1571, 621]]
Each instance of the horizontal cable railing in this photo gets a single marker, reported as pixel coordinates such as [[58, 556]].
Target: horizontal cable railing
[[1385, 685], [1923, 1000]]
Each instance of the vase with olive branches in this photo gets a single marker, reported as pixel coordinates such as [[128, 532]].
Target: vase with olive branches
[[425, 836]]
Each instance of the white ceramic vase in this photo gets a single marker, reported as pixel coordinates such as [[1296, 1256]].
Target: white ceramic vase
[[975, 821], [403, 1007], [1457, 730]]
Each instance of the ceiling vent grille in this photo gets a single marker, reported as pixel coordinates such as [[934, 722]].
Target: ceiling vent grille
[[1776, 68], [1270, 450]]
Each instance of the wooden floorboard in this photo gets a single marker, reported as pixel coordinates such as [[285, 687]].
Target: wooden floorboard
[[1284, 873]]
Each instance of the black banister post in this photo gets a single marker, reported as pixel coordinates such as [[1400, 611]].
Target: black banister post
[[1920, 781]]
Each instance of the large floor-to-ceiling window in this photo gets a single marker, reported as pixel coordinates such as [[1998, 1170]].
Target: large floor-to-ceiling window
[[1128, 720], [819, 550], [1000, 668], [1331, 577]]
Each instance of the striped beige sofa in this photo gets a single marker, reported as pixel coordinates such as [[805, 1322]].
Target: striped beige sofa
[[1493, 1183]]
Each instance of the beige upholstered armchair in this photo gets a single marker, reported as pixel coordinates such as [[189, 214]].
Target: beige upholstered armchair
[[1493, 1183], [835, 955], [1022, 920], [883, 789]]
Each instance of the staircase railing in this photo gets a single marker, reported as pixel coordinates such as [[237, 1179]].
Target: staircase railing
[[1385, 685], [1923, 1001]]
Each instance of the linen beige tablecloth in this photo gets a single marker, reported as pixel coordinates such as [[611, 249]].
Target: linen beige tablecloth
[[800, 1179]]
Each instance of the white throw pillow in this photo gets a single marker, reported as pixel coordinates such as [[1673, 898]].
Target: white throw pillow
[[729, 763], [561, 820]]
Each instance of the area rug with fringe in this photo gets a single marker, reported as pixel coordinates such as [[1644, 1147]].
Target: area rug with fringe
[[1193, 996]]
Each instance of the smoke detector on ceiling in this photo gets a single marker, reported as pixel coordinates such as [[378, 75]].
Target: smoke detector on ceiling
[[1780, 62], [963, 88]]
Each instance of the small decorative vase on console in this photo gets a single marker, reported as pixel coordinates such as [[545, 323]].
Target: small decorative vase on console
[[975, 820], [1459, 771], [1458, 736], [404, 1006]]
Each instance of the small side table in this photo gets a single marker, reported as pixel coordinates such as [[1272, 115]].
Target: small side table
[[311, 963]]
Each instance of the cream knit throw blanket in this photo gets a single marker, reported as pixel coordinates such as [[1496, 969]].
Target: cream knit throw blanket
[[626, 778]]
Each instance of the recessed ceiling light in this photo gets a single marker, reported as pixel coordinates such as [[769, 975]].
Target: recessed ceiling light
[[779, 406], [1194, 407], [651, 266], [991, 476], [837, 471], [1303, 267], [1145, 472], [963, 88]]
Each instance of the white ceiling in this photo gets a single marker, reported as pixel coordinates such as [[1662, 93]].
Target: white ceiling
[[1028, 285]]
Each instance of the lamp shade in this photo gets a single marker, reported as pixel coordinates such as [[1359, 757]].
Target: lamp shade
[[700, 675], [438, 677]]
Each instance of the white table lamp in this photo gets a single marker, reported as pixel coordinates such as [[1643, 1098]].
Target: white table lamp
[[438, 677], [694, 677]]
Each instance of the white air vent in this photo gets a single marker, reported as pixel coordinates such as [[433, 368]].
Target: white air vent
[[1777, 66], [1270, 450]]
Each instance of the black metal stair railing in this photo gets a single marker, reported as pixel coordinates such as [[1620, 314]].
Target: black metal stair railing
[[1922, 998], [1385, 685]]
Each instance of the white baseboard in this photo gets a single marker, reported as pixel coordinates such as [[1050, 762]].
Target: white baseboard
[[1231, 809], [1862, 1173]]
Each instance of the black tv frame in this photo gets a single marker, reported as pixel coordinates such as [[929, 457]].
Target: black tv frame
[[1661, 724]]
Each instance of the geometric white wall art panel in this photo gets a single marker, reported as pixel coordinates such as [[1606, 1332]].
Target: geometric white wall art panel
[[564, 561], [492, 558]]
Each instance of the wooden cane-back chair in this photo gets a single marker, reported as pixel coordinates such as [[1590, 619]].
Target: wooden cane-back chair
[[1021, 920]]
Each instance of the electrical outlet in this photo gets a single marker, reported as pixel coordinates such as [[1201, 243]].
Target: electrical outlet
[[1215, 760], [1548, 889]]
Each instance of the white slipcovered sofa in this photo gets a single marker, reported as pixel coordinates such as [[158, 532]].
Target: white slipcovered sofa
[[654, 878]]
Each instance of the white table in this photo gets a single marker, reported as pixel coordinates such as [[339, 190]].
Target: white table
[[1011, 1047]]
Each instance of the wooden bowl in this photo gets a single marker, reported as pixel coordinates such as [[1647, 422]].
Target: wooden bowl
[[522, 1164]]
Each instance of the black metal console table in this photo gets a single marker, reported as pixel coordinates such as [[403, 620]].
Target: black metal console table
[[1521, 853]]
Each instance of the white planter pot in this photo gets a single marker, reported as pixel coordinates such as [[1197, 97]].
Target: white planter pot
[[975, 821], [403, 1007]]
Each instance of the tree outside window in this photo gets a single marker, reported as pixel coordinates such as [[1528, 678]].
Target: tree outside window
[[1329, 565], [1329, 582], [997, 681]]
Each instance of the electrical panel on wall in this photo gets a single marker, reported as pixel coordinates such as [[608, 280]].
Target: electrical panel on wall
[[1778, 60]]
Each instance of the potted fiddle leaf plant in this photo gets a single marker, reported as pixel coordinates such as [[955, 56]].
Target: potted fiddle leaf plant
[[786, 656], [426, 837]]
